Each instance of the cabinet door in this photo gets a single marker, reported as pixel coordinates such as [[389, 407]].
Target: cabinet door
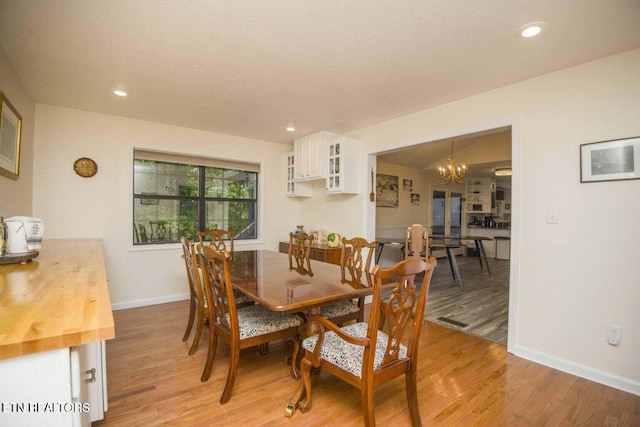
[[343, 166], [92, 377], [314, 155], [310, 157], [42, 379], [300, 154], [334, 182], [294, 188]]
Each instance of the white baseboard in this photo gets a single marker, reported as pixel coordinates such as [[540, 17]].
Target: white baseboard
[[151, 301], [610, 380]]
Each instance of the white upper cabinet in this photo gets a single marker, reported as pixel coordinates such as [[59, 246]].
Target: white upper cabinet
[[343, 165], [324, 155], [310, 156], [294, 188]]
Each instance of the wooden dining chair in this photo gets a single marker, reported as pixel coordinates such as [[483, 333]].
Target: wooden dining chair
[[416, 242], [217, 238], [355, 269], [368, 354], [240, 327], [197, 303], [300, 252]]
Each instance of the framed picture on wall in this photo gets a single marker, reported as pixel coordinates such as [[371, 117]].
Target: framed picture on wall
[[415, 199], [386, 191], [407, 184], [613, 160], [10, 134]]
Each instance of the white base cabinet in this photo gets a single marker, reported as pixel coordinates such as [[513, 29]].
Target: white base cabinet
[[64, 387]]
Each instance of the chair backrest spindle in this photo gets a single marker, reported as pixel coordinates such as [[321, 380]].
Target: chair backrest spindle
[[218, 286], [354, 265], [216, 239], [300, 252], [416, 242]]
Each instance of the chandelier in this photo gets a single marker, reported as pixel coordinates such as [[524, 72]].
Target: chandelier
[[452, 173]]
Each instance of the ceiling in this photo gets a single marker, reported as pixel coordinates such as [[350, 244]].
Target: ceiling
[[251, 68]]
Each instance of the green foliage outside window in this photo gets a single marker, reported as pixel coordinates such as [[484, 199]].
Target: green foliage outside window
[[173, 200]]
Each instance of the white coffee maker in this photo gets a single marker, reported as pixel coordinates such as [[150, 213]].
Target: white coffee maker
[[24, 234]]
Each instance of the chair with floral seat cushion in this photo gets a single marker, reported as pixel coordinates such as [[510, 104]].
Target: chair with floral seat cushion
[[197, 303], [198, 310], [240, 327], [217, 238], [368, 354], [355, 268]]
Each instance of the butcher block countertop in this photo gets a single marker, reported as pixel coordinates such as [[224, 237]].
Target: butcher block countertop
[[59, 299]]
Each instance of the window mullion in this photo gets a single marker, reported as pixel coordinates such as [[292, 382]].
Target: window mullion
[[201, 198]]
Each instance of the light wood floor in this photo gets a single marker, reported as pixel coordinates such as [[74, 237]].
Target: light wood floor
[[463, 381]]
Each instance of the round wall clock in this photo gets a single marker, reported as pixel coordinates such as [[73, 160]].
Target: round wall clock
[[85, 167]]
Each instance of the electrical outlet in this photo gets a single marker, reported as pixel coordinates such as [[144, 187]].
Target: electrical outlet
[[614, 334]]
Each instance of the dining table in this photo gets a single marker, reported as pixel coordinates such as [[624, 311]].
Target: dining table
[[266, 277]]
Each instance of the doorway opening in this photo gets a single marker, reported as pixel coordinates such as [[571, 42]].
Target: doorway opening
[[482, 308]]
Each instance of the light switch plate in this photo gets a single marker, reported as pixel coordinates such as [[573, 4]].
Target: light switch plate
[[552, 215]]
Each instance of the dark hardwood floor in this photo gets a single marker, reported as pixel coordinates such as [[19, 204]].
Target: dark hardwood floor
[[482, 308], [463, 381]]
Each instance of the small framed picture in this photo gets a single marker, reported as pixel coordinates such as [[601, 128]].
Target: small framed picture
[[386, 191], [415, 199], [10, 134], [407, 184], [613, 160]]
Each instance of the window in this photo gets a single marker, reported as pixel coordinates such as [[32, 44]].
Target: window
[[179, 197]]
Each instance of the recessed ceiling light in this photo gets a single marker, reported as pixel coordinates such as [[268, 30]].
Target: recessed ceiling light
[[119, 92], [532, 29], [290, 129]]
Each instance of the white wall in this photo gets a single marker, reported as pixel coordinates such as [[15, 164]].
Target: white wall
[[572, 279], [74, 207], [16, 195], [405, 214]]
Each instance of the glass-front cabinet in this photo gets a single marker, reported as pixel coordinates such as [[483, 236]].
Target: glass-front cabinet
[[294, 188], [344, 167]]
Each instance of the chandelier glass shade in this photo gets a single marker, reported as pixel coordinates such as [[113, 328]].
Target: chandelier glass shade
[[452, 173]]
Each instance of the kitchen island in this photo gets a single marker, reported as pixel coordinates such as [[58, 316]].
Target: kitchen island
[[499, 236], [55, 315]]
